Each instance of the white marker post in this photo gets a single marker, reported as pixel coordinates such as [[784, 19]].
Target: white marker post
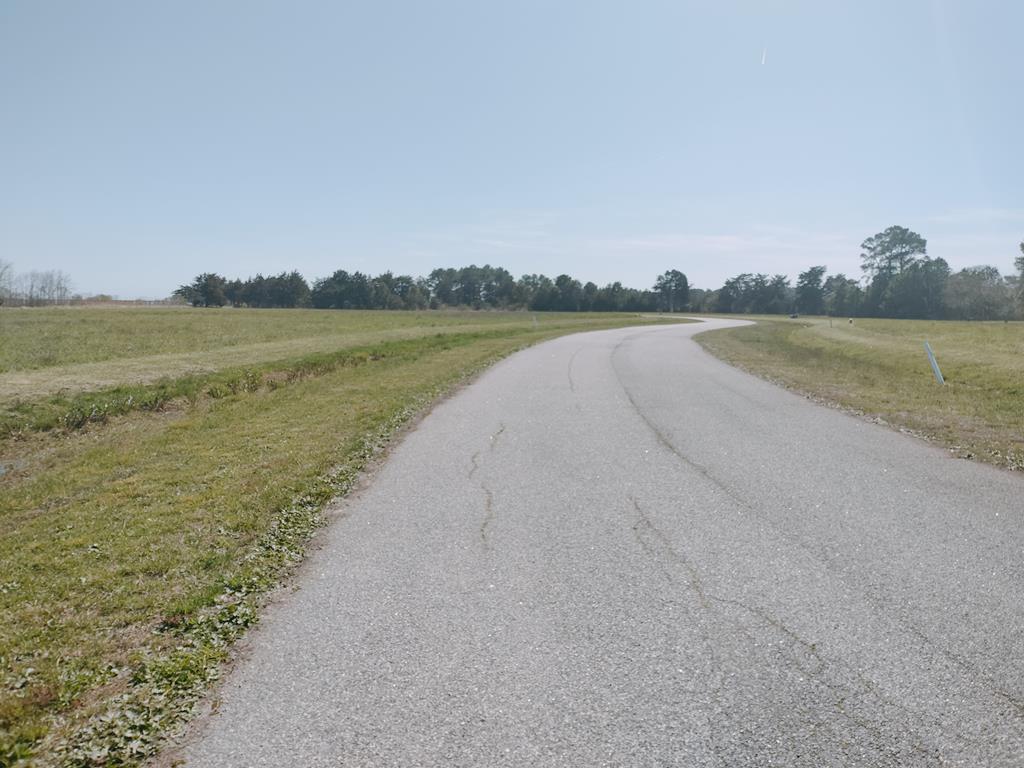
[[935, 364]]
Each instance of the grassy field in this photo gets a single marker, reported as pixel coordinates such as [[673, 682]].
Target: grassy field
[[148, 505], [72, 350], [879, 368]]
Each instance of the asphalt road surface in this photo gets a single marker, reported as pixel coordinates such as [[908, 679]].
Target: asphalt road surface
[[614, 550]]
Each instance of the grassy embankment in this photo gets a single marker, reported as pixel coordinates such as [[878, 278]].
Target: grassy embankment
[[879, 368], [160, 470]]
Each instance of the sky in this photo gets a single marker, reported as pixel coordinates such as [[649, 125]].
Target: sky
[[142, 143]]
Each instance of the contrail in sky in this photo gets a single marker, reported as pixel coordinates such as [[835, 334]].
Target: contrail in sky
[[764, 56]]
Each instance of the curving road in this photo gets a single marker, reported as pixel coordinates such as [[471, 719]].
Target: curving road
[[614, 550]]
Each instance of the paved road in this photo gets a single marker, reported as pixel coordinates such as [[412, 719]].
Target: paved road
[[613, 550]]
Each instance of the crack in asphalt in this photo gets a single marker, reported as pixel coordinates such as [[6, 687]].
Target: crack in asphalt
[[664, 440], [568, 370], [694, 576], [966, 666], [739, 500], [496, 435], [488, 518], [703, 471], [841, 693], [663, 546]]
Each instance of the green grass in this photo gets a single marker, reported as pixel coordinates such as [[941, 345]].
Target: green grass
[[879, 368], [136, 542], [71, 350], [43, 338], [74, 410]]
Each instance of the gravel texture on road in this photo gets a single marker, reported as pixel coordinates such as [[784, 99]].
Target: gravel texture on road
[[614, 550]]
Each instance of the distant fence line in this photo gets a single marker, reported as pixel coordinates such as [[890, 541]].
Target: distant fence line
[[79, 301]]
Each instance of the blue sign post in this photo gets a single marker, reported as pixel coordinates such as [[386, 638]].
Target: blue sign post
[[935, 364]]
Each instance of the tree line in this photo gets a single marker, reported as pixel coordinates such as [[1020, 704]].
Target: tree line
[[33, 288], [472, 287], [899, 279]]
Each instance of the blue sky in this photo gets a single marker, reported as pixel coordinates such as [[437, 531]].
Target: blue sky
[[144, 142]]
